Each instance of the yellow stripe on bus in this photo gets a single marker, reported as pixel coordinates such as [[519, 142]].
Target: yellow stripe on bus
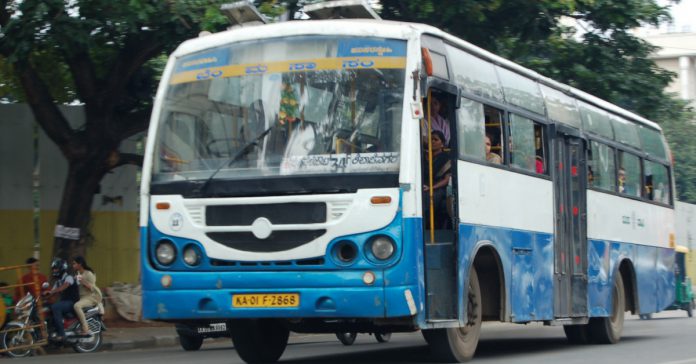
[[324, 64]]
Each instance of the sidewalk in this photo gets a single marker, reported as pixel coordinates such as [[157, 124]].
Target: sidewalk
[[124, 335]]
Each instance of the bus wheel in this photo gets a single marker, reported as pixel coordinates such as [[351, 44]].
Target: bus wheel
[[459, 344], [190, 342], [383, 337], [259, 341], [577, 334], [607, 330], [346, 338]]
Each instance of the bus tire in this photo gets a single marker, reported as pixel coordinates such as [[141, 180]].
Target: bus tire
[[383, 337], [190, 342], [690, 308], [577, 334], [346, 338], [259, 341], [607, 330], [459, 344]]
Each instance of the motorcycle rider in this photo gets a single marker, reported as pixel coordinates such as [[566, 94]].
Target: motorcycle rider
[[66, 285]]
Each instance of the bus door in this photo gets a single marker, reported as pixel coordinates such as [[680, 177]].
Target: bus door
[[570, 241], [439, 204]]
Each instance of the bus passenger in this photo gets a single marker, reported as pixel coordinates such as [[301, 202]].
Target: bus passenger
[[624, 187], [441, 177], [437, 121], [490, 156]]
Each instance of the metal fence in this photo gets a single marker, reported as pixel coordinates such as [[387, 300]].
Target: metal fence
[[30, 332]]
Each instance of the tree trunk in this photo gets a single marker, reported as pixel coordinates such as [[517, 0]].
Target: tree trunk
[[81, 184]]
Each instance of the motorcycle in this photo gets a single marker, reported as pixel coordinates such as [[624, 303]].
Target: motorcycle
[[25, 330]]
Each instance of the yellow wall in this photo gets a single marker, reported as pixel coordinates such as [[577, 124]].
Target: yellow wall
[[114, 254]]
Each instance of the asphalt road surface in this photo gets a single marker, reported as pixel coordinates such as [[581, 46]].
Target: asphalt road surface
[[669, 338]]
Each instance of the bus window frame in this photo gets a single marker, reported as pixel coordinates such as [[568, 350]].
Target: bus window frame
[[545, 131], [506, 109], [643, 156]]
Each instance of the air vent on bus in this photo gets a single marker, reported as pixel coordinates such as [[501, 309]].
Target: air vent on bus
[[284, 263], [337, 209], [197, 214]]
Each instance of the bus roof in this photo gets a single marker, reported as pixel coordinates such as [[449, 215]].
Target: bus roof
[[395, 30]]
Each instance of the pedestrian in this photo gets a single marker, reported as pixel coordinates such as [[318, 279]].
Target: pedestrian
[[27, 281]]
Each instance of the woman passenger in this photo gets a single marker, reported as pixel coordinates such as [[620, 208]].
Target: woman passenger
[[90, 295], [441, 177]]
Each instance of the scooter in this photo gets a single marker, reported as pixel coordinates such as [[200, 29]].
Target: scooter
[[25, 330]]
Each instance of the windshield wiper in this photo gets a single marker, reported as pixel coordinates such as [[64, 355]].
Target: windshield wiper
[[243, 152]]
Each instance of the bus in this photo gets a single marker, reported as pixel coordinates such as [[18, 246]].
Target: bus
[[283, 191]]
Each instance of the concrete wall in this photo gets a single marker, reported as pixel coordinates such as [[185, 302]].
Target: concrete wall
[[677, 54], [114, 253]]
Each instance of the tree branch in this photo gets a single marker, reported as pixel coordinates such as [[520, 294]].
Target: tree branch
[[130, 124], [137, 50], [4, 13], [78, 60], [129, 159], [46, 112]]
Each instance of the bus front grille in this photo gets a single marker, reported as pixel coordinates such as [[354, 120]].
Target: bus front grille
[[276, 213], [277, 242]]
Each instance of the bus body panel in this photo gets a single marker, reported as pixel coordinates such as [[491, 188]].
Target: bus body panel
[[615, 218], [487, 197], [653, 276], [324, 291], [347, 214], [527, 259]]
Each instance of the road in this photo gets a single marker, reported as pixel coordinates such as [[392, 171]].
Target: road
[[669, 338]]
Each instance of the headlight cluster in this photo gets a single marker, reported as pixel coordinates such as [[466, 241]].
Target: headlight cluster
[[166, 253], [378, 249], [382, 247]]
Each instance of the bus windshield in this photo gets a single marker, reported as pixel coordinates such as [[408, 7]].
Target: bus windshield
[[281, 107]]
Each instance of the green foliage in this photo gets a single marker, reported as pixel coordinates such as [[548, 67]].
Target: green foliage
[[48, 32], [605, 60]]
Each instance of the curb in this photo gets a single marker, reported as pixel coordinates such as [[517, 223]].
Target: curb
[[148, 342], [117, 344]]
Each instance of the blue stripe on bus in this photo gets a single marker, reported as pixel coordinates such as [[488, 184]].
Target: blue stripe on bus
[[527, 263], [323, 293], [527, 266], [654, 279]]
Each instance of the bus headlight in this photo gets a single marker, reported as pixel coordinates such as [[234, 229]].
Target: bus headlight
[[165, 252], [192, 256], [382, 247]]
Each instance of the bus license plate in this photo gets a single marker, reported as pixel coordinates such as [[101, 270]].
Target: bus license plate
[[266, 300]]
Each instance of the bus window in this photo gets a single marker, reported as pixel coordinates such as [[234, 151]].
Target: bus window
[[526, 145], [470, 130], [600, 167], [628, 176], [657, 182], [494, 135]]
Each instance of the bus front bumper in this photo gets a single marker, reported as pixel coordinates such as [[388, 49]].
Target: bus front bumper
[[322, 294]]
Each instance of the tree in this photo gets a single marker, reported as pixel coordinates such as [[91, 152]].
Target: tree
[[105, 54], [605, 59]]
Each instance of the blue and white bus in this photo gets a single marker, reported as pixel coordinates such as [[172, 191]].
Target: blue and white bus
[[283, 185]]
